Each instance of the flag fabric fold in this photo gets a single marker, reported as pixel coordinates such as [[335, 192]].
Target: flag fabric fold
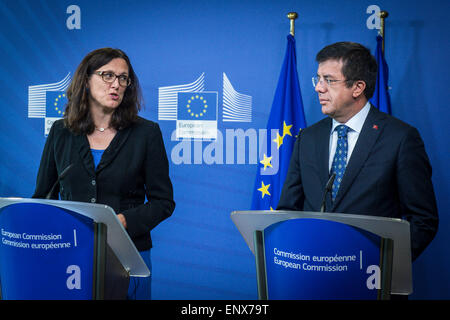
[[381, 98], [286, 119]]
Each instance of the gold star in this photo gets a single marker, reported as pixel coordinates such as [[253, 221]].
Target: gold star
[[264, 190], [266, 162], [286, 129], [278, 140]]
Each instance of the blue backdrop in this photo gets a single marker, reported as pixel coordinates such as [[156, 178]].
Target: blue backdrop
[[235, 49]]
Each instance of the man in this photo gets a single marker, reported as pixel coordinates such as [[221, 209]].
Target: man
[[380, 162]]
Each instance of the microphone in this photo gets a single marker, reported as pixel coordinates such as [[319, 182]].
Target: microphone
[[61, 176], [328, 187]]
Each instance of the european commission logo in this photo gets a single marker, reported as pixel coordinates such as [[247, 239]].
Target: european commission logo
[[196, 110], [197, 115], [47, 101]]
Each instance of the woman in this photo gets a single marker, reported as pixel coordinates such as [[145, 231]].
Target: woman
[[117, 157]]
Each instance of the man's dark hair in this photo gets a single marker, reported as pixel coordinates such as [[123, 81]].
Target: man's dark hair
[[357, 63], [77, 116]]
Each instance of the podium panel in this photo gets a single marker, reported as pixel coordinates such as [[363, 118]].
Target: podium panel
[[54, 249], [319, 259], [46, 253], [380, 246]]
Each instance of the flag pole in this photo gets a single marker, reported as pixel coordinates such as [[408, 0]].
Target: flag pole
[[292, 16], [383, 15]]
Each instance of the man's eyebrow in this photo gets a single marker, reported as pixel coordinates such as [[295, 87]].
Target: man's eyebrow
[[325, 76]]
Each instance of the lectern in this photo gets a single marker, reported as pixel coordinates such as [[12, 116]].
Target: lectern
[[54, 249], [312, 255]]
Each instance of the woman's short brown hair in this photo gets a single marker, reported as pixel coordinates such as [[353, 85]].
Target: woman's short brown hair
[[77, 116]]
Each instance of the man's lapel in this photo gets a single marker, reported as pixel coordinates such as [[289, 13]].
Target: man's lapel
[[323, 150], [322, 156], [372, 128]]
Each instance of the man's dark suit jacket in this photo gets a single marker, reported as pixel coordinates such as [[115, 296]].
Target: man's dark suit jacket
[[134, 166], [388, 175]]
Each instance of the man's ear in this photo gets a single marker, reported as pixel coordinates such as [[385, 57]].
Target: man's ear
[[359, 87]]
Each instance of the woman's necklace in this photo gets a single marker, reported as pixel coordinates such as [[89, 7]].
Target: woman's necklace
[[101, 129]]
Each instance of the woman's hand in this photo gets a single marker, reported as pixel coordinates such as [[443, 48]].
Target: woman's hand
[[122, 220]]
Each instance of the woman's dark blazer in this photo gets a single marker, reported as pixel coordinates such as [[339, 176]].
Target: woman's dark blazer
[[133, 167]]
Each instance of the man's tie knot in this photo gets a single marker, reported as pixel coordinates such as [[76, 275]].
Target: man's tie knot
[[342, 130]]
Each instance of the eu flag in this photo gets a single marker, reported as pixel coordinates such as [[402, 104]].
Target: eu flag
[[55, 102], [285, 121], [197, 105], [380, 97]]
